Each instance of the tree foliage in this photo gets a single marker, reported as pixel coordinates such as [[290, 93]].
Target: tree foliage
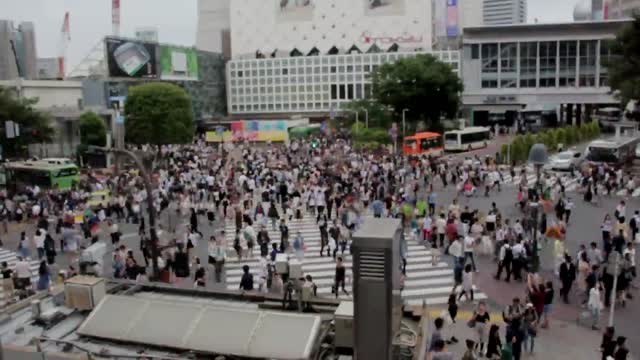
[[379, 115], [158, 113], [424, 85], [624, 65], [34, 125], [93, 130]]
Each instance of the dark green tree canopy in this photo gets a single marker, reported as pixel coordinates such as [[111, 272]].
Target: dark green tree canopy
[[158, 113], [624, 65], [93, 130], [423, 84], [34, 125]]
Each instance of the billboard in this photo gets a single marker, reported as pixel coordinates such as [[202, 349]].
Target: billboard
[[452, 18], [384, 7], [251, 130], [177, 63], [295, 10], [131, 58]]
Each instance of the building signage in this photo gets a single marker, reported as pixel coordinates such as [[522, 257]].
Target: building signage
[[494, 99], [452, 18], [368, 38]]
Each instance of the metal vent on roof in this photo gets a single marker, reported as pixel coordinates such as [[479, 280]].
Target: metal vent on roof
[[371, 265]]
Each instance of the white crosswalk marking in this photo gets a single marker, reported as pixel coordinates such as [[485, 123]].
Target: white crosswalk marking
[[424, 281], [12, 258]]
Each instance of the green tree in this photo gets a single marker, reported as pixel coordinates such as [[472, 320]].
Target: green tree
[[158, 113], [424, 85], [624, 64], [34, 125], [518, 149], [379, 115], [93, 130]]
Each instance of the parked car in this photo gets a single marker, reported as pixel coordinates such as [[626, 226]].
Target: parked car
[[565, 161]]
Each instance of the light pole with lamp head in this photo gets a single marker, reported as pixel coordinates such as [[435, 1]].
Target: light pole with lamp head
[[537, 157], [366, 118]]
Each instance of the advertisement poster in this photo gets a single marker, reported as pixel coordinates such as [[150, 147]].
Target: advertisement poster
[[252, 130], [295, 10], [384, 7], [131, 59], [452, 18], [178, 63]]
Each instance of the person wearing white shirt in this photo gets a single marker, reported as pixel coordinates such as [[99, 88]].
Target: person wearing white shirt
[[519, 255], [23, 273], [621, 211], [441, 226], [38, 239], [455, 249], [426, 228], [469, 244]]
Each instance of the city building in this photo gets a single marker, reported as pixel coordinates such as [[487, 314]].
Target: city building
[[588, 10], [504, 12], [507, 68], [147, 34], [618, 9], [214, 27], [18, 56], [63, 101], [450, 18], [48, 68], [309, 85], [262, 28]]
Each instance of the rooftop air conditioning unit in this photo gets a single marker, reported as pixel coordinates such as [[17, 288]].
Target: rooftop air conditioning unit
[[84, 292]]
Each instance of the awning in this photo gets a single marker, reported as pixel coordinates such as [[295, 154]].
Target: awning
[[203, 328]]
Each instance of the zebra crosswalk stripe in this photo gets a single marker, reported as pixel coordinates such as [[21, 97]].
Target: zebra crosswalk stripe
[[424, 281]]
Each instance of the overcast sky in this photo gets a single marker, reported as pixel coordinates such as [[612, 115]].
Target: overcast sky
[[176, 20]]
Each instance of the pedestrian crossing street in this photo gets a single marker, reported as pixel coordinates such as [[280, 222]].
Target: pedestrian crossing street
[[554, 179], [424, 281], [12, 258]]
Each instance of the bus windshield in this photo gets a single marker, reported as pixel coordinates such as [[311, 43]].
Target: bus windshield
[[410, 142], [451, 137], [606, 155]]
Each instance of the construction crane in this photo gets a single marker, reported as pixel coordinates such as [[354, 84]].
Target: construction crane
[[65, 37]]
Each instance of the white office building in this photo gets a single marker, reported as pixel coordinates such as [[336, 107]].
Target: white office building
[[307, 84], [287, 27], [508, 68], [504, 12], [213, 24]]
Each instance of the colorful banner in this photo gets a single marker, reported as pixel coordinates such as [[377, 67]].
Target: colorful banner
[[452, 18], [252, 130]]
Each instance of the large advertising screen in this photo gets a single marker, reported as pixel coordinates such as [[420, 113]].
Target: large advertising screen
[[131, 58], [295, 10], [251, 130], [178, 63], [384, 7], [452, 18]]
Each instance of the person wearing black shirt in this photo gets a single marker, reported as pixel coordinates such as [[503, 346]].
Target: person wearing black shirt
[[246, 282], [608, 345], [619, 242], [340, 277], [181, 264], [6, 272], [567, 276], [621, 352]]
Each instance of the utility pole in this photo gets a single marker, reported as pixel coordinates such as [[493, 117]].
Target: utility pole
[[404, 123], [151, 208], [612, 301]]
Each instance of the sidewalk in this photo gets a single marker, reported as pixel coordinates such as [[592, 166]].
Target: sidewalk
[[563, 341]]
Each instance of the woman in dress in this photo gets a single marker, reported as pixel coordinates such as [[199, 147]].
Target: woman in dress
[[583, 271], [44, 278]]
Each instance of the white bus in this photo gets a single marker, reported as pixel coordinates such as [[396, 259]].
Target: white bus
[[467, 139], [613, 151]]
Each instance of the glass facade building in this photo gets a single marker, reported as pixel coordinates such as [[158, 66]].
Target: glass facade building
[[311, 84]]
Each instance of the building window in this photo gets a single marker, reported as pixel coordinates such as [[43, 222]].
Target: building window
[[475, 52], [508, 65], [605, 57], [548, 55], [334, 92], [568, 52], [240, 73], [489, 70], [588, 63], [528, 60]]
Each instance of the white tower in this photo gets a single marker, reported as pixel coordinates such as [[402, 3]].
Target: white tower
[[213, 23]]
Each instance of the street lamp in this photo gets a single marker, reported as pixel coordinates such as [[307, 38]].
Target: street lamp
[[357, 120], [366, 119], [150, 205], [537, 157], [404, 124]]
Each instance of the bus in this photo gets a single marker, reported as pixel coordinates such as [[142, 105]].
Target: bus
[[612, 151], [429, 143], [46, 174], [467, 139]]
